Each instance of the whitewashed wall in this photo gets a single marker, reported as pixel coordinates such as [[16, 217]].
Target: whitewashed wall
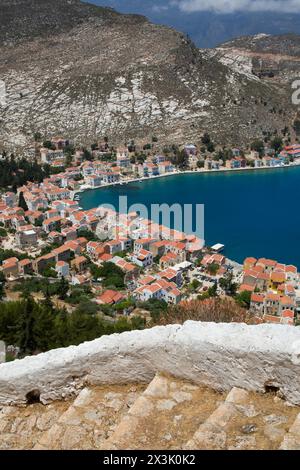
[[218, 355]]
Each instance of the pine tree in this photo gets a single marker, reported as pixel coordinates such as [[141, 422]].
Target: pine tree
[[62, 327], [43, 328], [84, 327]]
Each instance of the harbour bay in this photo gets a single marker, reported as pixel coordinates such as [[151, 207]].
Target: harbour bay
[[253, 213]]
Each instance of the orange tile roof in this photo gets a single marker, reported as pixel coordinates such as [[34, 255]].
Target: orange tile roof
[[278, 277], [273, 297], [288, 313], [61, 249], [160, 243], [72, 245], [144, 240], [168, 273], [258, 269], [267, 262], [93, 245], [291, 269], [263, 276], [25, 262], [61, 263], [246, 287], [285, 300], [146, 280], [110, 297], [105, 257], [52, 220], [257, 298], [153, 288], [10, 261], [271, 319], [80, 259]]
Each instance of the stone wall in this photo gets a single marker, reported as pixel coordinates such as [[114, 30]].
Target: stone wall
[[218, 355]]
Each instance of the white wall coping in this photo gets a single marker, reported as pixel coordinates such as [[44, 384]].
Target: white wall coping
[[217, 355]]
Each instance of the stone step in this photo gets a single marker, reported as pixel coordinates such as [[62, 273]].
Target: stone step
[[212, 433], [22, 427], [91, 418], [291, 440], [169, 413], [245, 421], [164, 416]]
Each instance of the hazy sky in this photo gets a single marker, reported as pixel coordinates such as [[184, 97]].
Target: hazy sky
[[229, 6], [211, 22], [192, 6]]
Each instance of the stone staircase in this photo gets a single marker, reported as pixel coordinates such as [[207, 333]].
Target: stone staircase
[[167, 414]]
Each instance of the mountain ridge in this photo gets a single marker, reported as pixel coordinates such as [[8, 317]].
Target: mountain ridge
[[103, 73]]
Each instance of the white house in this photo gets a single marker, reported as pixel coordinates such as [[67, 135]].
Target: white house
[[62, 268], [165, 167], [93, 180], [143, 259]]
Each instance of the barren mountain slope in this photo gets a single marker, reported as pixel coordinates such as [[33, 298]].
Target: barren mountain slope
[[83, 71]]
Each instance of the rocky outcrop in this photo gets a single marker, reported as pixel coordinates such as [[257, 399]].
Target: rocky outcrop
[[256, 358], [273, 58]]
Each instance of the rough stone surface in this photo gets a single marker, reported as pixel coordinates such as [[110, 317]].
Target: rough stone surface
[[90, 419], [164, 416], [292, 438], [146, 416], [273, 433], [212, 434], [220, 356], [232, 427]]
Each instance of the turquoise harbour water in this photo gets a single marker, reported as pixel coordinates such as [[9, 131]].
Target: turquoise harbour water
[[253, 213]]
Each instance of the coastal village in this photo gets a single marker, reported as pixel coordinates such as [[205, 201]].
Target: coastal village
[[45, 234]]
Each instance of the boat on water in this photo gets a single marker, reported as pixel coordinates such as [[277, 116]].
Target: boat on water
[[218, 248]]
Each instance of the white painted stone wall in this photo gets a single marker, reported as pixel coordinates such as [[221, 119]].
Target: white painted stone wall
[[217, 355]]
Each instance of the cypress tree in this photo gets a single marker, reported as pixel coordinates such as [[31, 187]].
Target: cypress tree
[[2, 285], [47, 302], [63, 288], [62, 328], [22, 202], [26, 341]]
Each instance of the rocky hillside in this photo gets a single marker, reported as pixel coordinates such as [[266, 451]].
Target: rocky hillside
[[84, 71], [26, 19], [273, 57]]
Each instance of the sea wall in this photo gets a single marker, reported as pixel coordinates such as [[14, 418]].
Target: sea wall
[[222, 356]]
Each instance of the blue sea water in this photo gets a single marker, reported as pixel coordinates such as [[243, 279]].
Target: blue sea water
[[253, 213]]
